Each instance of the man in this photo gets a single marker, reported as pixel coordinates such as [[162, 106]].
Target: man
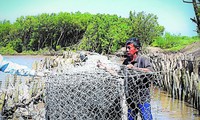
[[138, 92], [139, 97], [13, 68]]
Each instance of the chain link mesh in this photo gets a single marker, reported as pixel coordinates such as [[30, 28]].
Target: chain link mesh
[[95, 94]]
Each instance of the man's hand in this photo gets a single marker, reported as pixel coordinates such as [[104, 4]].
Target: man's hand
[[108, 69], [101, 65], [130, 66]]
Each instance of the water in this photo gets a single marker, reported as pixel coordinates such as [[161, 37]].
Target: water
[[166, 108], [22, 60]]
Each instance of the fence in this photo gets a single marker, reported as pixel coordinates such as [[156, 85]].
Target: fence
[[181, 76], [79, 93]]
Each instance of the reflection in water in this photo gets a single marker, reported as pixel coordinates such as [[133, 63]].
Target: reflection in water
[[166, 108]]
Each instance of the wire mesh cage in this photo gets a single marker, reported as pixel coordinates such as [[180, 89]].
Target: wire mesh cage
[[99, 95]]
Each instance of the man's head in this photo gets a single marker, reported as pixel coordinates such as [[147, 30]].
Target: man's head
[[132, 46]]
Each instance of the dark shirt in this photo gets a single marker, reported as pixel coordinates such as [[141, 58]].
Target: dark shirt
[[138, 86], [140, 62]]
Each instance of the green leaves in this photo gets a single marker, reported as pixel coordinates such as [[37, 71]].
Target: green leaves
[[105, 33], [173, 42], [102, 33], [145, 27]]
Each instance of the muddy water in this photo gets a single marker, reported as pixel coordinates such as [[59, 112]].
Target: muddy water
[[166, 108]]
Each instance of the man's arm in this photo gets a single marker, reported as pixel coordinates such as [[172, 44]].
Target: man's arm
[[106, 68], [146, 66], [137, 68]]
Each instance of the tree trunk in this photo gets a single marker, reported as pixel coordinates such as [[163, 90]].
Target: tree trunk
[[197, 19]]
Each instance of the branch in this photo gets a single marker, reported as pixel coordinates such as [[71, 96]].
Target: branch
[[188, 2], [193, 20]]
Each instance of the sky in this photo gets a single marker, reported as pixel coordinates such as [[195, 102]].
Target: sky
[[174, 15]]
